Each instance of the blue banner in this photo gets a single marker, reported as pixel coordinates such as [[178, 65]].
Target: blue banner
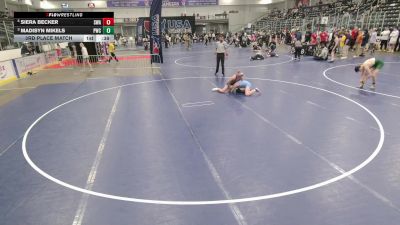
[[169, 25], [155, 32], [165, 3], [139, 32]]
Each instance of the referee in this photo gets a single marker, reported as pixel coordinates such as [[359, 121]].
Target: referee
[[221, 47]]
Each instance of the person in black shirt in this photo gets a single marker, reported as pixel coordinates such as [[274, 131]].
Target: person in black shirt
[[307, 37], [364, 42]]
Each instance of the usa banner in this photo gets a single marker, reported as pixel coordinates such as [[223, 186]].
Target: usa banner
[[140, 31], [155, 32]]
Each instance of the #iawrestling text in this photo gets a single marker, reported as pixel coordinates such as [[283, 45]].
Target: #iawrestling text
[[42, 30]]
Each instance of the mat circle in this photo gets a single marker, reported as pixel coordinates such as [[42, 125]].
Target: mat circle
[[210, 202]]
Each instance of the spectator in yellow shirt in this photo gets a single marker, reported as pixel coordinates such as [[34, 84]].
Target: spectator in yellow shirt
[[111, 50], [342, 44]]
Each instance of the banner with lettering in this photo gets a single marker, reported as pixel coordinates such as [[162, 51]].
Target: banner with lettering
[[139, 32], [172, 24], [178, 24], [29, 63], [7, 72], [165, 3], [155, 32]]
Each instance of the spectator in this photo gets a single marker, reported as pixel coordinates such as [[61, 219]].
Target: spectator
[[354, 35], [334, 46], [342, 43], [166, 40], [206, 39], [372, 40], [297, 46], [307, 36], [298, 34], [24, 50], [393, 39], [397, 46], [314, 37], [364, 42], [384, 39], [324, 37], [359, 41], [347, 45], [59, 54], [85, 57], [323, 55]]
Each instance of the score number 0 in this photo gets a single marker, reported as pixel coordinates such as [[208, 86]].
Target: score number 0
[[108, 21]]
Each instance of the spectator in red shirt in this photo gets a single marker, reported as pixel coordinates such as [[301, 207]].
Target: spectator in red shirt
[[314, 38], [354, 35], [324, 36]]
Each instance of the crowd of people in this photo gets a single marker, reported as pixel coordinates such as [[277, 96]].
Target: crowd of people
[[339, 42], [238, 39], [323, 44]]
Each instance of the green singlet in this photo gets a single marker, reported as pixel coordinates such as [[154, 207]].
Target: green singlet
[[378, 64]]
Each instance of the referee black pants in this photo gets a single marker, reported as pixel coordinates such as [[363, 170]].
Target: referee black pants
[[384, 44], [220, 58], [112, 56], [297, 52]]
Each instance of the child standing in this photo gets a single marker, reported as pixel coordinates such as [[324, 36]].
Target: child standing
[[85, 56], [297, 49], [59, 55]]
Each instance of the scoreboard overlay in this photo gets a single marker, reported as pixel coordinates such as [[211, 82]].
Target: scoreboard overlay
[[63, 26]]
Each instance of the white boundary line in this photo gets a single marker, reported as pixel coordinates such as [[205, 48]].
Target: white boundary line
[[228, 67], [212, 202], [194, 104], [80, 212], [214, 173], [197, 105], [10, 146], [364, 90]]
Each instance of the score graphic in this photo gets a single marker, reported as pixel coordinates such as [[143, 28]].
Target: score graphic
[[108, 25], [108, 21], [62, 26]]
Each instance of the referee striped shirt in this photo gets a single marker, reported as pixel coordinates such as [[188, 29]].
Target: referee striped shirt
[[221, 47]]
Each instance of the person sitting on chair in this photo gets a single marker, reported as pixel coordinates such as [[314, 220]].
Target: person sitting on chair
[[323, 55]]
